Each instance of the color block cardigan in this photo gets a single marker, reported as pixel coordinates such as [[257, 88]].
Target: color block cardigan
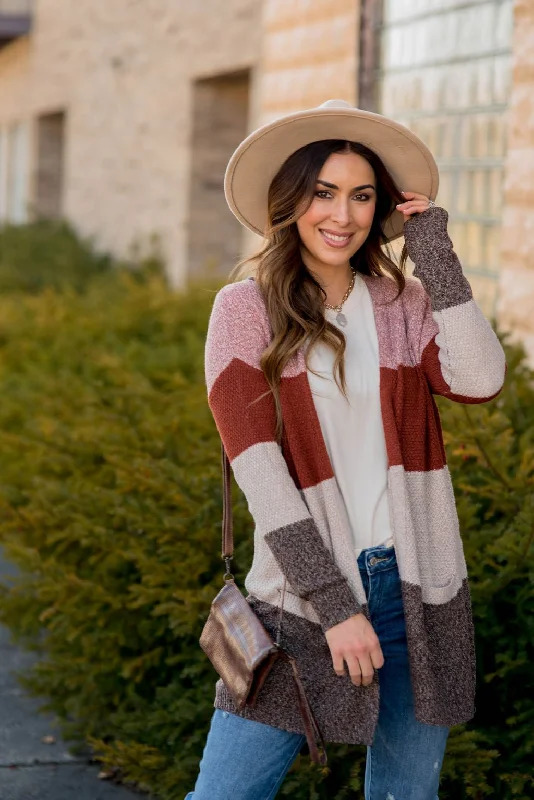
[[433, 339]]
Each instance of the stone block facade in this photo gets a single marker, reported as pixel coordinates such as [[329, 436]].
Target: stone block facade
[[124, 75], [516, 285], [309, 55], [132, 109]]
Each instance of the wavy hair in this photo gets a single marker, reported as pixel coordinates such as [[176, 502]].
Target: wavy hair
[[293, 297]]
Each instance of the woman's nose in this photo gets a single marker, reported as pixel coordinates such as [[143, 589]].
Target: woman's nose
[[340, 213]]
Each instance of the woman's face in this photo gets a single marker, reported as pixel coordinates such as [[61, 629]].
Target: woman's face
[[341, 214]]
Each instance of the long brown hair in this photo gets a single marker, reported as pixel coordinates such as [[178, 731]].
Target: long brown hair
[[293, 297]]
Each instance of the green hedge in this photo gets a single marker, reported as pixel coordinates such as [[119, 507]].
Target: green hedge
[[45, 254], [110, 503]]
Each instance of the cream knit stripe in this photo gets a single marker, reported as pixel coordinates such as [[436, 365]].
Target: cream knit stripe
[[287, 540], [471, 357], [323, 503], [329, 512], [273, 499], [427, 537]]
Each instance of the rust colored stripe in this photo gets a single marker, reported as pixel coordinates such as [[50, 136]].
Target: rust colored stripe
[[304, 447], [240, 421], [411, 420]]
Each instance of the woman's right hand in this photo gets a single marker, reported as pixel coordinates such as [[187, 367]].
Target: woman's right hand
[[355, 643]]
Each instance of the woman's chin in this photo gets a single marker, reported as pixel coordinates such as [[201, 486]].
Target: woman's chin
[[334, 258]]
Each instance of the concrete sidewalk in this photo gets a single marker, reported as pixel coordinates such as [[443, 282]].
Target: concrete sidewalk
[[30, 769]]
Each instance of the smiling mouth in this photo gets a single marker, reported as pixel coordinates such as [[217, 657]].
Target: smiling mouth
[[336, 239]]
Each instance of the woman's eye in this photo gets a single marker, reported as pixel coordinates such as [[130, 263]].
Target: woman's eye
[[323, 194]]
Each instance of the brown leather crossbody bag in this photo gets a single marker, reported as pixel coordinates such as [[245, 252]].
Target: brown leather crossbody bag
[[237, 644]]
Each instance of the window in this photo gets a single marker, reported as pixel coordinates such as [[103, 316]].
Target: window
[[49, 174], [17, 172], [446, 75]]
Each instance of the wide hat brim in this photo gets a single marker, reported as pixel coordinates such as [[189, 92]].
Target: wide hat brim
[[258, 158]]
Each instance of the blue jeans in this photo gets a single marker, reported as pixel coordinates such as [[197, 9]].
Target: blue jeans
[[247, 760]]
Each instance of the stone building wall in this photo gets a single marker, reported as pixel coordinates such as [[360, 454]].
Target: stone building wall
[[516, 285], [124, 74], [309, 55]]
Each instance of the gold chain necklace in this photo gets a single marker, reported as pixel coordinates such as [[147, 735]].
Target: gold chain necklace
[[340, 317]]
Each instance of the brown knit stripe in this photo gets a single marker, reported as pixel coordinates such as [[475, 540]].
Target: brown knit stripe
[[329, 511], [436, 263], [411, 421], [442, 656], [344, 712], [302, 556], [274, 503]]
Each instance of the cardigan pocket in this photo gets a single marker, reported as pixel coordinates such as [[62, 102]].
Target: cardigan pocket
[[439, 595]]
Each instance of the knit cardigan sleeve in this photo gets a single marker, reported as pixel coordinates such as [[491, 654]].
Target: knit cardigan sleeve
[[243, 409], [453, 342]]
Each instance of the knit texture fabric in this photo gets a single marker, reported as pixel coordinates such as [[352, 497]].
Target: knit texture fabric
[[433, 339]]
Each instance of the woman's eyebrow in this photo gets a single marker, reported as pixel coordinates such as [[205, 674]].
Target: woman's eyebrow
[[356, 188]]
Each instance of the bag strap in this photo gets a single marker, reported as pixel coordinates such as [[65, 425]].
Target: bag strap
[[227, 522]]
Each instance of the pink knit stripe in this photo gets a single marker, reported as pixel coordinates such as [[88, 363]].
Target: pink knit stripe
[[392, 323], [235, 330], [239, 328]]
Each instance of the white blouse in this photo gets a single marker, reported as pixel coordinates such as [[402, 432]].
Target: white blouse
[[353, 431]]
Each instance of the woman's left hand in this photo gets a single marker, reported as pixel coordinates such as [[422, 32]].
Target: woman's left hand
[[415, 204]]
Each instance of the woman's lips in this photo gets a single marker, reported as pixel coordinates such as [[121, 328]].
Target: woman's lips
[[338, 240]]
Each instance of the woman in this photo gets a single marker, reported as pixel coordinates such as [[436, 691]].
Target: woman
[[320, 371]]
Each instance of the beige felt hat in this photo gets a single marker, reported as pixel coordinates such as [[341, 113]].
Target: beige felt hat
[[259, 157]]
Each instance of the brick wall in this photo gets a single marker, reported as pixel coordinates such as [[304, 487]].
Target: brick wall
[[516, 288]]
